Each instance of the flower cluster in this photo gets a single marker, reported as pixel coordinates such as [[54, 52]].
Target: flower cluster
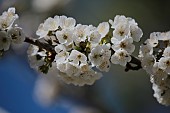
[[8, 33], [125, 31], [155, 58], [78, 50]]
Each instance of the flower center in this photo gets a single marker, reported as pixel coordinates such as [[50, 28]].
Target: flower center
[[121, 54], [168, 63], [14, 36], [4, 25], [65, 37], [121, 33], [96, 56], [79, 56], [122, 45]]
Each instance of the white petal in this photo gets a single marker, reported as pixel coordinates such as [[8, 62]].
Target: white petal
[[103, 28], [136, 33], [60, 48], [94, 37], [120, 57], [51, 24], [41, 31], [166, 52]]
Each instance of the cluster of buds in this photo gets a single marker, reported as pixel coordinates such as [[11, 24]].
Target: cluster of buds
[[155, 58], [8, 33]]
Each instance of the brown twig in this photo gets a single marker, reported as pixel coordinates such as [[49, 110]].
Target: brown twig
[[40, 44], [135, 62]]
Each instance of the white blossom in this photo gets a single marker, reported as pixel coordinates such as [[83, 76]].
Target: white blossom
[[121, 19], [81, 32], [136, 33], [164, 63], [153, 41], [157, 92], [51, 24], [35, 57], [72, 70], [100, 54], [77, 57], [85, 78], [125, 26], [131, 21], [145, 49], [61, 57], [121, 31], [103, 28], [120, 57], [147, 63], [7, 18], [161, 35], [117, 20], [85, 67], [158, 75], [96, 56], [92, 28], [65, 36], [16, 34], [67, 79], [106, 52], [94, 37], [164, 36], [161, 94], [42, 32], [67, 22], [78, 76], [70, 79], [104, 66], [125, 44], [5, 41], [159, 72], [88, 77], [155, 59]]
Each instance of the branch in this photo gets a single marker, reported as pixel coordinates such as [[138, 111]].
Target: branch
[[135, 62], [40, 44]]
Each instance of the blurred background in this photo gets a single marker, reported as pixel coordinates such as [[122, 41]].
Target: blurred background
[[22, 90]]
